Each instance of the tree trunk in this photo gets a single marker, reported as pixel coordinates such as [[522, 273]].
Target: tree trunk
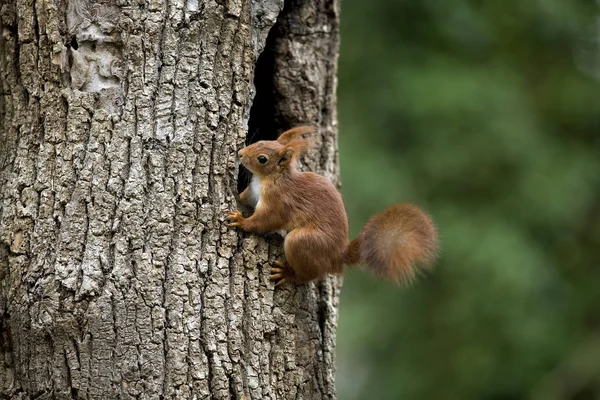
[[119, 126]]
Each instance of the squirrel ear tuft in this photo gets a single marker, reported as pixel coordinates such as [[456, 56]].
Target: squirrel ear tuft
[[295, 138], [285, 156], [295, 134]]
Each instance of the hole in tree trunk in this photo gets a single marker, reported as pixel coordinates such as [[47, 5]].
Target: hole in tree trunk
[[264, 122], [263, 119]]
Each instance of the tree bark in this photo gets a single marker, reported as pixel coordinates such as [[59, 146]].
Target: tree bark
[[119, 126]]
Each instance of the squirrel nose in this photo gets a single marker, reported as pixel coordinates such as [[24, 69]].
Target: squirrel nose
[[240, 154]]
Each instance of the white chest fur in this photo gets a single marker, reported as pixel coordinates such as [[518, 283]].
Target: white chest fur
[[256, 192], [255, 189]]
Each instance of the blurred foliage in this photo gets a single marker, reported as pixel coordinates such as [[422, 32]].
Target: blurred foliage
[[487, 114]]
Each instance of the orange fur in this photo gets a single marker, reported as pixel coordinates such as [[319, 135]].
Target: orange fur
[[396, 244], [295, 134], [392, 244]]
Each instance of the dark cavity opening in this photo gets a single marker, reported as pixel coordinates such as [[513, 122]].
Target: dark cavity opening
[[264, 122], [263, 114], [74, 44]]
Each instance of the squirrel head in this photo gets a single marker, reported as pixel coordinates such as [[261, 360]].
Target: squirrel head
[[269, 157]]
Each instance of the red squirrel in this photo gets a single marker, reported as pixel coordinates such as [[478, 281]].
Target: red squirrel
[[395, 244]]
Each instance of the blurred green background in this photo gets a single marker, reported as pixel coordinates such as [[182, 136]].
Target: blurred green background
[[487, 114]]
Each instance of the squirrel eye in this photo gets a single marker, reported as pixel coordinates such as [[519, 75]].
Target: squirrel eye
[[262, 159]]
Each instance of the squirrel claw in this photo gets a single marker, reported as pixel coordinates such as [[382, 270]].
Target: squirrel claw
[[277, 273], [281, 281], [235, 217], [281, 273]]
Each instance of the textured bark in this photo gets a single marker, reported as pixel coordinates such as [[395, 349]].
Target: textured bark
[[119, 126]]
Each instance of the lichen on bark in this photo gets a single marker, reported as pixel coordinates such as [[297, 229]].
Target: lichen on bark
[[119, 126]]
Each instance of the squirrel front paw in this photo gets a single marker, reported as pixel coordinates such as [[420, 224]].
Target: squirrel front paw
[[235, 218]]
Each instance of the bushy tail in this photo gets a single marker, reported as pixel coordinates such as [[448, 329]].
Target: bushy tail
[[396, 244]]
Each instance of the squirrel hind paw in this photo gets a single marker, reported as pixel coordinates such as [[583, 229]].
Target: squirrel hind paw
[[282, 273]]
